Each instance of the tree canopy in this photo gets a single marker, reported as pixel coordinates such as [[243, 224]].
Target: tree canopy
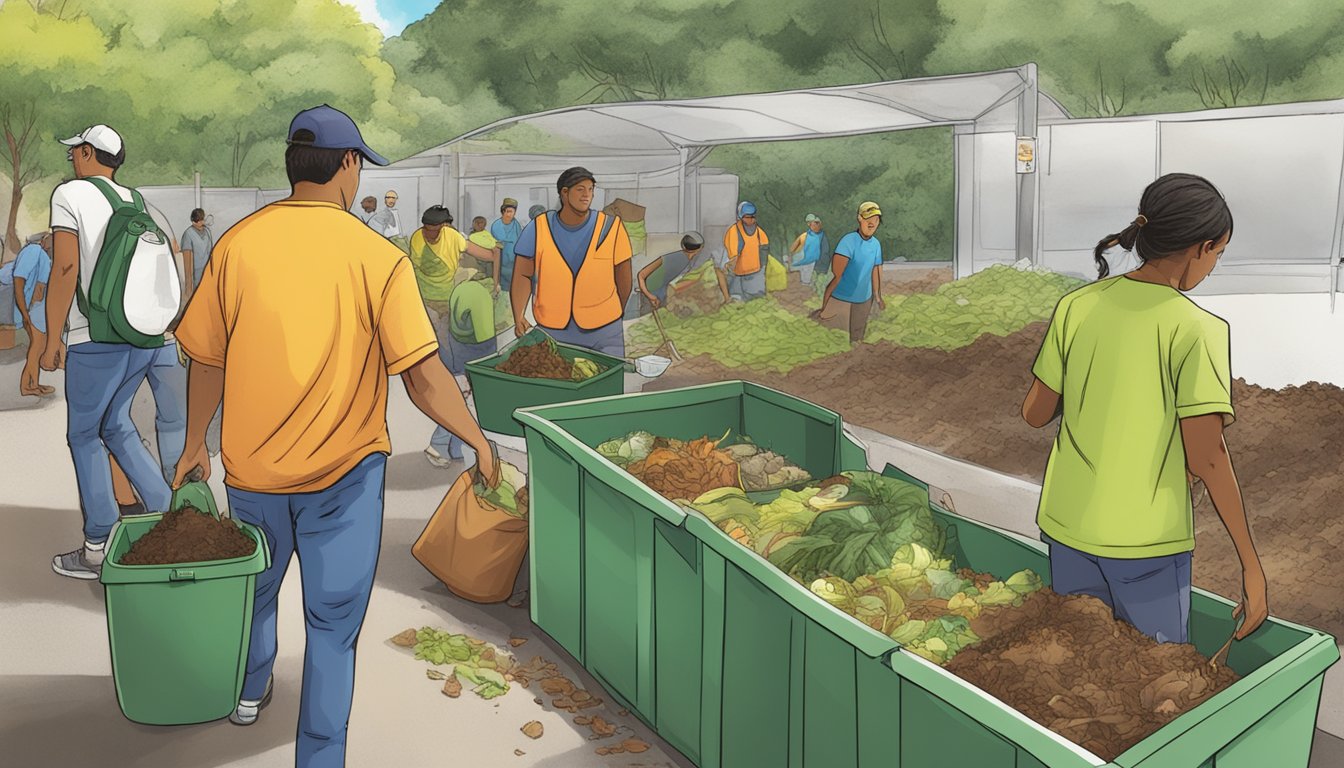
[[211, 86]]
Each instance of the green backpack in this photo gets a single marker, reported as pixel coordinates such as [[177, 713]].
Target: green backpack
[[135, 290]]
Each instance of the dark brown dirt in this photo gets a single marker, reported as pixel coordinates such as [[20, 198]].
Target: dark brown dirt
[[189, 536], [965, 403], [1285, 446], [536, 361], [1066, 663]]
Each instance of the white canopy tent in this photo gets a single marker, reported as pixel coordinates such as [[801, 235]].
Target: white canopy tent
[[651, 138]]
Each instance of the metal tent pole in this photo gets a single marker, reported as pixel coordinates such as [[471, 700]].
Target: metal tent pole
[[682, 155], [1027, 183]]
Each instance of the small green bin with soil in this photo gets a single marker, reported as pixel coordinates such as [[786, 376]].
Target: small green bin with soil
[[179, 633], [499, 393]]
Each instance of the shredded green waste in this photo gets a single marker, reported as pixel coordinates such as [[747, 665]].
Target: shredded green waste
[[763, 335], [475, 662], [872, 549]]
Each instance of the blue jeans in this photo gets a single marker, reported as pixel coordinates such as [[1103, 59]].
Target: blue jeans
[[168, 382], [1152, 593], [336, 533], [100, 383], [609, 339]]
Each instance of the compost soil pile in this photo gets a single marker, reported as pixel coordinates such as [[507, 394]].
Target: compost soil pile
[[1066, 663], [537, 361], [967, 404], [189, 536]]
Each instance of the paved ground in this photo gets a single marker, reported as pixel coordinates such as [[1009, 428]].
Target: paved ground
[[58, 707]]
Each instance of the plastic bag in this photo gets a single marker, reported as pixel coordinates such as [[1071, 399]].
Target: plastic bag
[[776, 275], [473, 547]]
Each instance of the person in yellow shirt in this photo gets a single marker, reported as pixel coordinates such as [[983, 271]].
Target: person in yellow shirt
[[436, 255], [748, 249], [301, 316], [1141, 378], [581, 261]]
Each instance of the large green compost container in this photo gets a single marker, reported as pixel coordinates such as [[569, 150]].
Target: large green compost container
[[607, 551], [498, 394], [739, 666], [179, 633]]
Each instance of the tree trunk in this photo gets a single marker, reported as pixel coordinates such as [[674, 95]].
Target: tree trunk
[[11, 236], [15, 198]]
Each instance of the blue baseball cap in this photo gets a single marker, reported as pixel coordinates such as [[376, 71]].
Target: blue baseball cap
[[745, 209], [332, 129]]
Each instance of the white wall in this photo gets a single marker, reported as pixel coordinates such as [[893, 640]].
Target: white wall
[[1281, 176]]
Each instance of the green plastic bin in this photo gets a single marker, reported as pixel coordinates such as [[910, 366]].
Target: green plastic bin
[[498, 394], [738, 666], [179, 633]]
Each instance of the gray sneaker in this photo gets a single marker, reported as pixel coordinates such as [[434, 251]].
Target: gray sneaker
[[246, 711], [83, 563]]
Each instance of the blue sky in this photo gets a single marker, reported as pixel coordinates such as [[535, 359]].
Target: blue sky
[[392, 16]]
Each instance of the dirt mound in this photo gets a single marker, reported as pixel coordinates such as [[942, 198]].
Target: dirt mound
[[1066, 663], [536, 361], [189, 536], [966, 403], [1285, 449]]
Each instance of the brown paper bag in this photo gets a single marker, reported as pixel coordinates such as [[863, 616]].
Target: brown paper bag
[[474, 548]]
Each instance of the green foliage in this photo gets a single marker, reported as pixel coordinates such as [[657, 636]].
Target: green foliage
[[852, 541], [908, 173]]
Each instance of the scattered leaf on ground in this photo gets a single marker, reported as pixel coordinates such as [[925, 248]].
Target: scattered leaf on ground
[[602, 729], [517, 641], [582, 720], [635, 745], [452, 687], [405, 639], [533, 730], [519, 752], [434, 674]]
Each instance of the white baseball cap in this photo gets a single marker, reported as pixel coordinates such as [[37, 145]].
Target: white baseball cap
[[99, 137]]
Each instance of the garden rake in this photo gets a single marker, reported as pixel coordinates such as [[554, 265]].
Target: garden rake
[[667, 343]]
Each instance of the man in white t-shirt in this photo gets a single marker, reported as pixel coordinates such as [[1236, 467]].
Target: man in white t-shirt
[[101, 379]]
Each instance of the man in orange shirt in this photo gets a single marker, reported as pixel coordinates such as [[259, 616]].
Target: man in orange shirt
[[748, 250], [314, 310]]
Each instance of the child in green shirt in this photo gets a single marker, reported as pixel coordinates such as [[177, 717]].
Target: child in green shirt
[[1141, 378]]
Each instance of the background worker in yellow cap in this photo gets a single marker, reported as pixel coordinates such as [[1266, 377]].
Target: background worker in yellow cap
[[748, 248], [858, 277], [815, 247], [580, 259]]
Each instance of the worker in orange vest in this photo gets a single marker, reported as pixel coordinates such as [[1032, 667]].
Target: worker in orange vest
[[748, 248], [580, 259]]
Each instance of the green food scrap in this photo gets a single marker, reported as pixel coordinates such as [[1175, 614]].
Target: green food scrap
[[505, 495], [472, 659]]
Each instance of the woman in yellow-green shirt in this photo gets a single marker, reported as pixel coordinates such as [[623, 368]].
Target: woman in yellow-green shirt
[[1141, 377]]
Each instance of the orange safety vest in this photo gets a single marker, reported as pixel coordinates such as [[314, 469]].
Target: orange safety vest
[[590, 299], [747, 248]]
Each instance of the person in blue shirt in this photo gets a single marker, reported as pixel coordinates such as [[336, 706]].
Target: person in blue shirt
[[507, 229], [858, 278], [814, 244], [32, 270]]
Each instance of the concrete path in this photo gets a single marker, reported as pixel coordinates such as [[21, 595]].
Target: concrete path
[[58, 706]]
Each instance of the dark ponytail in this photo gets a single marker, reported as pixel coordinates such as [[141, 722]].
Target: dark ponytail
[[1176, 211]]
